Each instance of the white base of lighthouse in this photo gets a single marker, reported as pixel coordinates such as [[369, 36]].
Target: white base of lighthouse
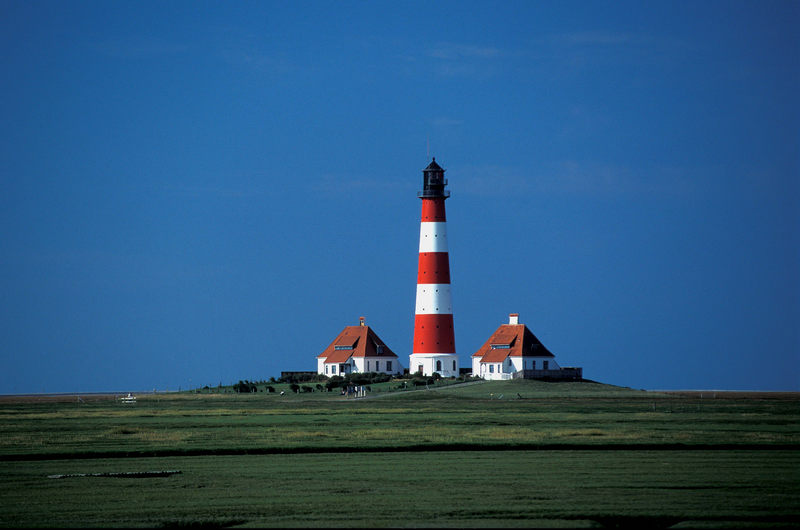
[[428, 363]]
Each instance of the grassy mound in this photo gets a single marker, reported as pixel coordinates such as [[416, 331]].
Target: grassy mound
[[527, 389]]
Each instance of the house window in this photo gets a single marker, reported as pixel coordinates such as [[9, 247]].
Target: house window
[[388, 366], [333, 369], [379, 349], [377, 366], [367, 366], [491, 368], [342, 348], [546, 364], [501, 346], [454, 366], [533, 365], [438, 366]]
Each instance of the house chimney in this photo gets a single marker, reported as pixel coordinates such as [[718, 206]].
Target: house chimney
[[513, 318], [361, 321]]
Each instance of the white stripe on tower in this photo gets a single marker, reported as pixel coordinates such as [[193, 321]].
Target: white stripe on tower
[[433, 299], [433, 236]]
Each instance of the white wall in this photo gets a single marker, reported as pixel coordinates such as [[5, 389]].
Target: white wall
[[361, 365], [428, 362], [321, 367], [495, 371], [358, 364], [552, 364], [511, 365], [476, 366]]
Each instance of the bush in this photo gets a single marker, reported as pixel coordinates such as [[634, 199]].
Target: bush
[[334, 382], [381, 378], [294, 387], [303, 378], [245, 386]]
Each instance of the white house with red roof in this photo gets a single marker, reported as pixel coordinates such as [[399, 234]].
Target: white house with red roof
[[357, 349], [513, 351]]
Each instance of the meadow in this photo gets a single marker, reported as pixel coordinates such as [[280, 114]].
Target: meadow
[[512, 453]]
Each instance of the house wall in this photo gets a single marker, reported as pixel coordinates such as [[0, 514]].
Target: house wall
[[509, 366], [361, 365], [494, 371], [349, 365], [358, 364], [551, 363]]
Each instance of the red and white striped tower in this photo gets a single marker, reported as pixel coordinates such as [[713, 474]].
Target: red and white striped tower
[[434, 341]]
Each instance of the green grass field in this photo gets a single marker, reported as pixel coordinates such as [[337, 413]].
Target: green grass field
[[513, 453]]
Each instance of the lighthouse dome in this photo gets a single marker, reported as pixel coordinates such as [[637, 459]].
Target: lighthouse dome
[[433, 166]]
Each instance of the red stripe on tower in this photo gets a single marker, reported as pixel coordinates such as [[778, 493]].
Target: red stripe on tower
[[434, 343]]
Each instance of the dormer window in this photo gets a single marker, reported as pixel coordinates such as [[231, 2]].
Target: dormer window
[[501, 346], [379, 349], [342, 347]]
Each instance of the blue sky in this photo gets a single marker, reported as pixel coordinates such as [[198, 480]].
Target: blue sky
[[203, 192]]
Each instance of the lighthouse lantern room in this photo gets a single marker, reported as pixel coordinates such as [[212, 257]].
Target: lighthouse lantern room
[[434, 343]]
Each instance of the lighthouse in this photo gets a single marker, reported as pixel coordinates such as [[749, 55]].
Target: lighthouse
[[434, 342]]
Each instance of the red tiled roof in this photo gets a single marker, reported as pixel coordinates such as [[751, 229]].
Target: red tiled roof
[[348, 339], [521, 341], [339, 356], [362, 342], [495, 356]]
